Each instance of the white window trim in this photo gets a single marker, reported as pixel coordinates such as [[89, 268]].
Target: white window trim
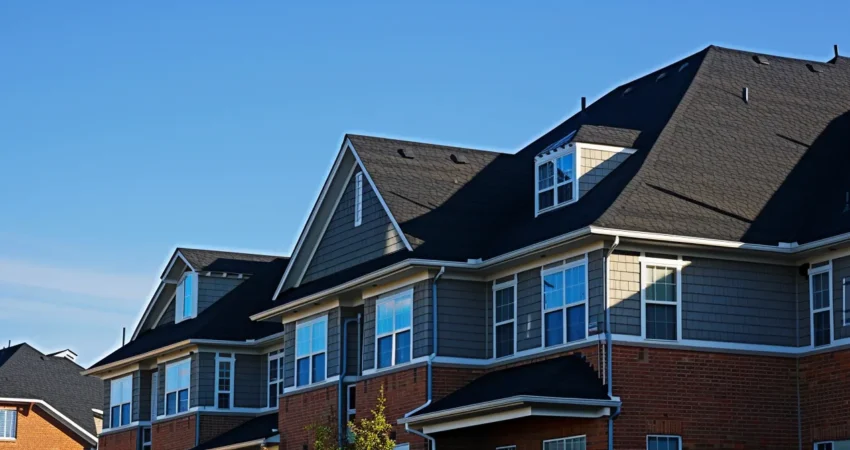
[[564, 150], [543, 445], [14, 434], [176, 392], [496, 288], [358, 199], [228, 359], [844, 282], [274, 359], [827, 268], [679, 438], [392, 298], [179, 298], [563, 268], [666, 263], [112, 404], [150, 437], [154, 394], [310, 355]]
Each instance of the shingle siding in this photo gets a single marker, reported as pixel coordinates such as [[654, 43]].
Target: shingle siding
[[529, 310], [596, 165], [289, 354], [143, 407], [168, 317], [343, 245], [595, 292], [624, 293], [160, 389], [840, 270], [203, 379], [212, 288], [462, 318], [369, 333], [333, 343], [803, 311], [107, 399], [249, 391]]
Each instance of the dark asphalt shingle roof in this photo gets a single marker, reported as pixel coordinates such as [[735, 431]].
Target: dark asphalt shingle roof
[[221, 261], [226, 319], [257, 428], [27, 373], [563, 377], [597, 134]]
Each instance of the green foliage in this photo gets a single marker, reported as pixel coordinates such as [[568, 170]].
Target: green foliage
[[373, 433], [324, 437]]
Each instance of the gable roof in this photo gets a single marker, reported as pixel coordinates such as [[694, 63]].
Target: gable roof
[[257, 429], [223, 261], [26, 373]]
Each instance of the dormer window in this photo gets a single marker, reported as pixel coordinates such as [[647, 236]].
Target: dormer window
[[555, 178], [186, 298]]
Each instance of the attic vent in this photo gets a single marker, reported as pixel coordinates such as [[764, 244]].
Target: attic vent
[[628, 90], [814, 68], [682, 67], [459, 159], [761, 60], [406, 153], [661, 76]]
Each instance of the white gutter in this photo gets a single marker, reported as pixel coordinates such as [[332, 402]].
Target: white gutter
[[55, 413]]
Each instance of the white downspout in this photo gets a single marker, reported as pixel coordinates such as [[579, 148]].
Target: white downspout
[[609, 346]]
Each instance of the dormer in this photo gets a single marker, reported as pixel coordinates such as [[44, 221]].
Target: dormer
[[570, 167]]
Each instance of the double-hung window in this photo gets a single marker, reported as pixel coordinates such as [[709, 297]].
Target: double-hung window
[[358, 199], [394, 329], [275, 377], [224, 363], [655, 442], [570, 443], [661, 295], [820, 290], [120, 401], [8, 424], [311, 351], [565, 303], [177, 377], [504, 318], [186, 298], [555, 178]]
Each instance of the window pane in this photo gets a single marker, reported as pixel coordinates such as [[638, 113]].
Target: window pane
[[575, 323], [273, 371], [576, 291], [171, 403], [822, 328], [303, 371], [545, 175], [566, 165], [820, 290], [661, 284], [224, 401], [318, 368], [402, 313], [546, 199], [184, 374], [385, 352], [504, 340], [187, 295], [554, 328], [183, 400], [272, 396], [385, 317], [303, 338], [224, 376], [402, 347], [553, 290], [125, 414], [565, 193], [115, 416], [318, 336], [504, 304], [661, 322]]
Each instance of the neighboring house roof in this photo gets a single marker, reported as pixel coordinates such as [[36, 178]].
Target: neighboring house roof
[[26, 373], [596, 134], [226, 319], [221, 261], [567, 377], [256, 429]]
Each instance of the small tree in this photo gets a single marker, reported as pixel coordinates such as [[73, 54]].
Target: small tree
[[324, 438], [374, 433]]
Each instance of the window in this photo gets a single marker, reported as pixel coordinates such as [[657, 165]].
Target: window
[[821, 304], [663, 443], [661, 305], [358, 199], [8, 424], [555, 179], [186, 297], [154, 394], [310, 351], [177, 387], [275, 377], [224, 363], [394, 329], [570, 443], [146, 438], [823, 446], [351, 412], [565, 303], [844, 284], [120, 400], [504, 318]]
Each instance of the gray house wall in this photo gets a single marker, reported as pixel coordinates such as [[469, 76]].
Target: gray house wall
[[529, 308], [289, 354], [160, 390], [107, 399], [168, 317], [462, 318], [421, 322], [803, 311], [840, 270], [248, 389], [202, 390], [351, 340], [596, 165], [624, 292], [212, 288], [344, 245], [595, 292], [142, 408], [334, 353]]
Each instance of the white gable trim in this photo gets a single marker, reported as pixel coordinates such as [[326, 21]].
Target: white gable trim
[[162, 283]]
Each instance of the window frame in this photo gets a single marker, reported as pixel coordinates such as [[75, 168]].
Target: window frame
[[552, 155], [11, 433], [358, 198], [668, 436], [543, 444], [844, 282], [120, 380], [826, 268], [563, 267], [387, 298], [180, 297], [232, 361], [275, 357], [499, 287], [188, 388], [676, 264], [309, 356]]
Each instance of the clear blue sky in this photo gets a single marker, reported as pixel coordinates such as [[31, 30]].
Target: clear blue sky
[[128, 129]]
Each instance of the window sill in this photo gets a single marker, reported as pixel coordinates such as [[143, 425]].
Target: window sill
[[2, 439]]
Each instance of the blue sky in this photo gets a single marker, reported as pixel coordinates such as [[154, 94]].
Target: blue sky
[[129, 128]]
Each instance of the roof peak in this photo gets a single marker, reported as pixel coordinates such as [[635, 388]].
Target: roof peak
[[431, 144]]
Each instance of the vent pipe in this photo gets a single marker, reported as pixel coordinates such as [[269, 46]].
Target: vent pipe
[[835, 50], [583, 103], [123, 335], [746, 95]]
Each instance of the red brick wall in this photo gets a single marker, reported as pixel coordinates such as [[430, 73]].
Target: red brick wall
[[121, 440], [297, 411], [526, 433], [213, 425], [175, 434], [713, 400], [825, 396], [405, 391], [38, 430]]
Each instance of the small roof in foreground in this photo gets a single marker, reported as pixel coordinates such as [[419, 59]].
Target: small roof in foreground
[[261, 427]]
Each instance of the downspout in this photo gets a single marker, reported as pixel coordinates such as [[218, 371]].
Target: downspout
[[609, 375], [797, 362], [430, 361], [342, 373]]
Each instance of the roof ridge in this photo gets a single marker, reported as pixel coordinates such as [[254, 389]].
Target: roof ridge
[[432, 144], [770, 55], [210, 250]]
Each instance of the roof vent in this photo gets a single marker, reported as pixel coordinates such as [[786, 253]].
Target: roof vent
[[661, 76], [628, 90], [761, 60], [406, 153], [459, 159], [746, 95], [835, 50], [814, 68], [682, 67]]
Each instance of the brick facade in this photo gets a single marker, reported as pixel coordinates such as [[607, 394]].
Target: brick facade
[[120, 440], [527, 434], [174, 434], [825, 394], [299, 410], [38, 430]]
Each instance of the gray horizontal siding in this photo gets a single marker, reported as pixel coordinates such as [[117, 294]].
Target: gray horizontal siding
[[423, 323], [343, 245], [841, 270], [160, 388], [624, 291], [211, 289], [144, 403], [289, 354], [803, 311], [168, 317], [462, 318], [203, 379], [369, 333], [137, 395], [595, 291], [107, 400], [529, 310], [248, 389], [333, 343], [596, 165]]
